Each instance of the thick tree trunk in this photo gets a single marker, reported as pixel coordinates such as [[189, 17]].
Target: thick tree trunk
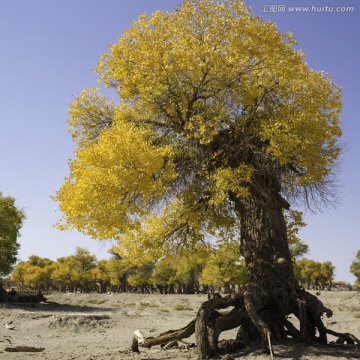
[[272, 282]]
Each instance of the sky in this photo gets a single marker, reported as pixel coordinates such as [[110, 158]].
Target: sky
[[48, 50]]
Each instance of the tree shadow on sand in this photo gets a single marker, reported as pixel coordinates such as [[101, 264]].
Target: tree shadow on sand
[[51, 306], [297, 351]]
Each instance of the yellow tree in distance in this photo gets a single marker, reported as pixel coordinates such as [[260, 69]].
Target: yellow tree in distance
[[219, 125]]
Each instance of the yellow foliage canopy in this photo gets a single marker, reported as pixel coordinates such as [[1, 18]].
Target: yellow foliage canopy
[[211, 99]]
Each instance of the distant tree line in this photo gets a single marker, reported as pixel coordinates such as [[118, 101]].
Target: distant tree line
[[187, 273], [200, 271]]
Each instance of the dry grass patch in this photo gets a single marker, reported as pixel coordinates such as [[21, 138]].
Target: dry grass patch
[[143, 306], [130, 304], [115, 305], [182, 307], [95, 302]]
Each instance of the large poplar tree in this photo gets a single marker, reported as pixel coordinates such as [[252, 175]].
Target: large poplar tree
[[220, 124]]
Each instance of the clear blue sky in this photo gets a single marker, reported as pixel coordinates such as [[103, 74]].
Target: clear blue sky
[[48, 51]]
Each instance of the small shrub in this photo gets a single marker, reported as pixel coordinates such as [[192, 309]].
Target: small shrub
[[130, 304], [181, 307], [115, 305], [96, 302], [148, 305], [143, 306], [357, 316]]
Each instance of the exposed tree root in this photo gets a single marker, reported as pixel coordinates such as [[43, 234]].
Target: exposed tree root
[[256, 318], [344, 337], [259, 323], [163, 338]]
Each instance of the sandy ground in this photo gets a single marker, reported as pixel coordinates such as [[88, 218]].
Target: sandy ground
[[101, 326]]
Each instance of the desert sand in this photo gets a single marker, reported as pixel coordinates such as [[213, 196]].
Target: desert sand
[[101, 326]]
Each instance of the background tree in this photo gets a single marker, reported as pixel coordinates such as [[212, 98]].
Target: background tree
[[35, 273], [314, 274], [38, 273], [355, 268], [294, 222], [82, 263], [188, 266], [139, 277], [11, 220], [118, 272], [65, 275], [327, 274], [224, 268], [164, 275], [101, 276], [219, 120], [19, 274]]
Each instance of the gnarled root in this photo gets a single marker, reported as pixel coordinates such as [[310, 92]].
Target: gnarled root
[[344, 337], [257, 318], [163, 338], [210, 323], [259, 323]]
